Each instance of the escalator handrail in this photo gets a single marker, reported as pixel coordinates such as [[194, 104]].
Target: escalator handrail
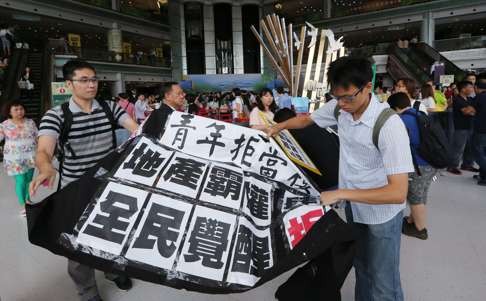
[[434, 54], [403, 58]]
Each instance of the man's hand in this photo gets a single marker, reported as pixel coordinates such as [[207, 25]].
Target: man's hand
[[272, 130], [49, 176], [330, 197]]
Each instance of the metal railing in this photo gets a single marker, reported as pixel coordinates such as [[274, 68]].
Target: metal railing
[[138, 58], [460, 43]]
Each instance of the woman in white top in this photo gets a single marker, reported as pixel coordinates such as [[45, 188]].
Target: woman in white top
[[428, 99], [407, 86], [265, 108]]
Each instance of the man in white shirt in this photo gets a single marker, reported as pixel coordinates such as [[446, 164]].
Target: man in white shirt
[[141, 106], [373, 174]]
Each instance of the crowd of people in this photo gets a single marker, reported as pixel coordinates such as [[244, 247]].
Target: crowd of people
[[382, 158]]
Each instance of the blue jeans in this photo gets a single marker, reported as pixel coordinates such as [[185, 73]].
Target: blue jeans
[[122, 135], [377, 259], [458, 146], [480, 152]]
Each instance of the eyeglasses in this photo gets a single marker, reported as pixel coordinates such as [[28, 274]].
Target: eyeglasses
[[348, 98], [85, 81]]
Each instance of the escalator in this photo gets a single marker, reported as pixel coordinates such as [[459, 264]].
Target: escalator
[[18, 61], [16, 64], [415, 62], [401, 63], [429, 55]]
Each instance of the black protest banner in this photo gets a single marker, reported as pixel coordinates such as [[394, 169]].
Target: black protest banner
[[160, 213]]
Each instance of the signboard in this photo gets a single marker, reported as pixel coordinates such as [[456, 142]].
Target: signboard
[[60, 93], [292, 148], [446, 80], [115, 40], [74, 40]]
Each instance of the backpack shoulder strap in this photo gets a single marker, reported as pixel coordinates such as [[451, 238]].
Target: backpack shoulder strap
[[416, 105], [380, 122], [336, 111], [66, 125], [110, 115]]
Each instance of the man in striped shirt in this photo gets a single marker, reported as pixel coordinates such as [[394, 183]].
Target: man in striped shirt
[[373, 175], [90, 138]]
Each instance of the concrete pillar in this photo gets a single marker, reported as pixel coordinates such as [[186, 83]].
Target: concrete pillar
[[118, 86], [428, 29], [178, 40], [267, 67], [209, 39], [327, 7], [115, 5], [238, 66]]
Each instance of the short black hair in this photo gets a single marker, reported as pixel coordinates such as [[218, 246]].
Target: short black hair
[[280, 90], [167, 87], [123, 95], [237, 91], [471, 74], [283, 114], [9, 105], [399, 100], [72, 65], [481, 81], [463, 84], [347, 71]]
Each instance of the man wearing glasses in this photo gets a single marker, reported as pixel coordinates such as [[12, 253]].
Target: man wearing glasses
[[89, 137], [373, 175]]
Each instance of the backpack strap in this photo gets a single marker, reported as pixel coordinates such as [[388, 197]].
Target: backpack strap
[[416, 105], [336, 111], [65, 129], [109, 114], [380, 122]]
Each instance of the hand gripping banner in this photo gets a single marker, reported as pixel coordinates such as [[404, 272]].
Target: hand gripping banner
[[209, 206]]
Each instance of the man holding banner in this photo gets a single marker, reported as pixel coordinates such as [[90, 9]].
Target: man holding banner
[[84, 129], [373, 175]]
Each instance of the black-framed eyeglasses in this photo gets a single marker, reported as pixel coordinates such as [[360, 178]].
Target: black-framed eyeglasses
[[85, 81], [348, 98]]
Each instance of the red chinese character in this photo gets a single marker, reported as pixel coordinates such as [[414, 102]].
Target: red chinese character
[[297, 229]]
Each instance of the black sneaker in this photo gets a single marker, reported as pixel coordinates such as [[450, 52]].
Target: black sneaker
[[123, 283], [454, 171], [410, 230], [482, 182], [470, 168], [476, 177]]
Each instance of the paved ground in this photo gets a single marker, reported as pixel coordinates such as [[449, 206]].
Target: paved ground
[[450, 266]]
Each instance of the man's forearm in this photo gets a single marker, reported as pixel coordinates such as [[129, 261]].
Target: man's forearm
[[388, 194], [298, 122], [43, 162]]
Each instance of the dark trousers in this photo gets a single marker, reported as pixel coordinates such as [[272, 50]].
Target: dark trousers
[[479, 143]]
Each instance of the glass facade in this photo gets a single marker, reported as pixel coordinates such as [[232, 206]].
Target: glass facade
[[251, 47], [194, 25], [341, 8], [223, 33], [156, 10]]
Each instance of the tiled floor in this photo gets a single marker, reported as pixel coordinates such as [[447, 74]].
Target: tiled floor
[[450, 266]]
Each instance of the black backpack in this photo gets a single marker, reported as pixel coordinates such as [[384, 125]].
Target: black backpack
[[434, 147], [63, 141]]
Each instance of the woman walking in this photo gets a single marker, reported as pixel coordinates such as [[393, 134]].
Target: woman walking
[[20, 136]]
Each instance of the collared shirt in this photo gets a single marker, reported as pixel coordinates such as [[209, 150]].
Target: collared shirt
[[361, 164], [90, 136], [285, 101], [141, 106]]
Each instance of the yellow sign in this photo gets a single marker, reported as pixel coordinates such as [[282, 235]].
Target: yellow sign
[[292, 148], [74, 40], [159, 52], [127, 48]]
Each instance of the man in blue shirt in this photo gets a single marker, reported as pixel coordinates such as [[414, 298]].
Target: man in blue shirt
[[284, 100], [418, 187], [479, 138]]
